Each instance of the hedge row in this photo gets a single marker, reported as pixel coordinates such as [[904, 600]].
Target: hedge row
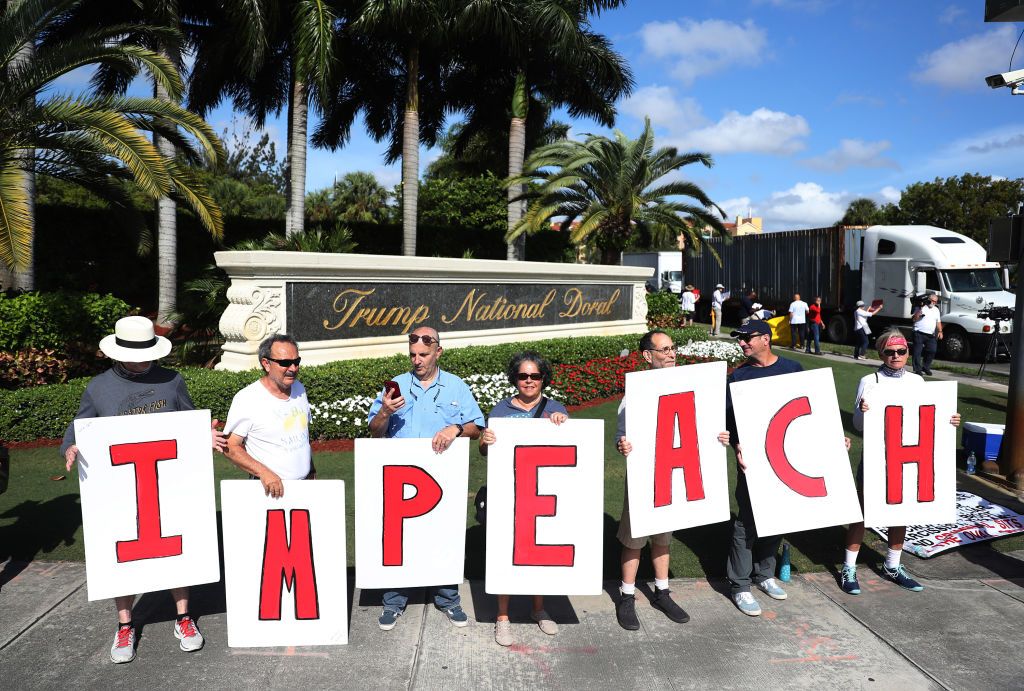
[[56, 319], [44, 412]]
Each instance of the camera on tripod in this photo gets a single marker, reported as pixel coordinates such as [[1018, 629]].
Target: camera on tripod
[[997, 313], [920, 300]]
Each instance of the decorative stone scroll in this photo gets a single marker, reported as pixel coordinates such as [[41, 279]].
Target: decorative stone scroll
[[346, 306]]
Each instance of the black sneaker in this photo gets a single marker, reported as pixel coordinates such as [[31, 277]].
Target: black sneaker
[[663, 601], [625, 612], [928, 372]]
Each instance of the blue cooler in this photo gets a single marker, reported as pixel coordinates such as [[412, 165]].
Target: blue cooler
[[983, 438]]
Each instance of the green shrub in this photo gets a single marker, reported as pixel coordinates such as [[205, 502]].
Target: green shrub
[[45, 411], [662, 303], [56, 319]]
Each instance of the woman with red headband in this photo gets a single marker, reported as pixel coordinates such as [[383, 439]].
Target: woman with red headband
[[892, 348]]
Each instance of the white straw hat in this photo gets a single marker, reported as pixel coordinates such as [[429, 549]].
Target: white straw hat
[[134, 340]]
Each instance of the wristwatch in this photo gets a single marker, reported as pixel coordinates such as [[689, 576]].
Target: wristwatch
[[460, 429]]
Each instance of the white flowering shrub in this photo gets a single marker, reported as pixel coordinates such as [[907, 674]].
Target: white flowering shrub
[[714, 350], [488, 389]]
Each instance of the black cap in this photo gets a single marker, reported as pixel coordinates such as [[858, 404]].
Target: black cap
[[754, 327]]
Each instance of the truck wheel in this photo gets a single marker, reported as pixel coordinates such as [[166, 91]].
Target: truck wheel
[[838, 329], [955, 344]]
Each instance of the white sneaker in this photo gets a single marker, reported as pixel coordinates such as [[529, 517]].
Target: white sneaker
[[187, 632], [123, 649]]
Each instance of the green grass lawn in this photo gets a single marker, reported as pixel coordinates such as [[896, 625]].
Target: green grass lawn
[[40, 518]]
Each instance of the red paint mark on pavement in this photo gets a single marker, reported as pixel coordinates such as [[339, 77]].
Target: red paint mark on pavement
[[816, 658], [290, 651], [548, 649], [767, 614]]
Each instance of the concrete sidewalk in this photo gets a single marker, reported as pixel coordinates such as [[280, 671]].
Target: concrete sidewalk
[[957, 633]]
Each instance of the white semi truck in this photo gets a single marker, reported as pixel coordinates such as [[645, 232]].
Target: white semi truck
[[668, 269], [895, 264]]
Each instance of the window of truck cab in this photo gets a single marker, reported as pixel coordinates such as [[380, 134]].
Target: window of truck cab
[[974, 280]]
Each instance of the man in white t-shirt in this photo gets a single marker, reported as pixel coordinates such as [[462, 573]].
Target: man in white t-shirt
[[268, 423], [688, 304], [927, 328], [797, 322], [717, 298]]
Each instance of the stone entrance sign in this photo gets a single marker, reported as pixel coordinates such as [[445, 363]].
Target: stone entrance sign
[[343, 306]]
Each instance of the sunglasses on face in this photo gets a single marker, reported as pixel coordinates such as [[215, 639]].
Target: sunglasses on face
[[890, 352], [747, 338], [535, 376], [285, 362], [664, 351], [427, 340]]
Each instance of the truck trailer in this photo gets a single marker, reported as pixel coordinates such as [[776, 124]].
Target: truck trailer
[[844, 264], [668, 269]]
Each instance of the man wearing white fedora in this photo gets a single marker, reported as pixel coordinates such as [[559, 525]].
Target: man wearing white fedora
[[133, 386]]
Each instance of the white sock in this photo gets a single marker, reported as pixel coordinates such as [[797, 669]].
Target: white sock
[[892, 558], [851, 557], [661, 583], [627, 588]]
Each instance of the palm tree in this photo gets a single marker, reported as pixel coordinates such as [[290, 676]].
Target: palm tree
[[94, 141], [414, 27], [614, 188], [284, 57], [545, 48], [357, 196]]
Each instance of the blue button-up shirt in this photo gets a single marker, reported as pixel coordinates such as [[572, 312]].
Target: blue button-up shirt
[[448, 400]]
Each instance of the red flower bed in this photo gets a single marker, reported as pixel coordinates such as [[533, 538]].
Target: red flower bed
[[601, 378]]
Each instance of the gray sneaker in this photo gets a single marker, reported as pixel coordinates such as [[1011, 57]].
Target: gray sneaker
[[503, 633], [747, 604], [772, 589], [187, 632], [123, 649]]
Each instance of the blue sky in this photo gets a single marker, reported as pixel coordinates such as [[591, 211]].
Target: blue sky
[[804, 104]]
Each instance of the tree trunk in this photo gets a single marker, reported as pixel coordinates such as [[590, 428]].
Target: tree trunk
[[166, 227], [25, 279], [411, 155], [295, 215], [516, 156]]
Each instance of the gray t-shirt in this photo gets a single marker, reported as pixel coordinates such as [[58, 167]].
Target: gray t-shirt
[[157, 391]]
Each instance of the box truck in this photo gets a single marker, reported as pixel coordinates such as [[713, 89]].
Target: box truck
[[668, 269], [895, 264]]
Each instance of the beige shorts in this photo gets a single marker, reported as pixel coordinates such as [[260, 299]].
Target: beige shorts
[[661, 539]]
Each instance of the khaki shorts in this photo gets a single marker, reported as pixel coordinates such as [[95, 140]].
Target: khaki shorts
[[661, 539]]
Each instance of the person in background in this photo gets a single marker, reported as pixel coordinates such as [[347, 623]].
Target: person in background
[[927, 333], [892, 348], [530, 374], [688, 304], [814, 326], [717, 300], [135, 385], [797, 322], [861, 330], [747, 309]]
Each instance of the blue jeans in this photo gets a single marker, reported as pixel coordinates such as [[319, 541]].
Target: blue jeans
[[815, 335], [797, 334], [445, 597]]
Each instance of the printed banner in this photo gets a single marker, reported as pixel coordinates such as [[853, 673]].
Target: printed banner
[[677, 474], [909, 454], [798, 470], [285, 563], [545, 507], [977, 520], [148, 507], [410, 512]]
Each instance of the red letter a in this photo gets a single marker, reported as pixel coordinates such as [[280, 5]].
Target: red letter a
[[896, 454], [529, 506], [676, 410], [397, 508], [144, 456], [289, 563], [775, 448]]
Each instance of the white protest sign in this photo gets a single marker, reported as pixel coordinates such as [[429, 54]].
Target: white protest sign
[[545, 507], [676, 473], [285, 563], [798, 469], [148, 507], [910, 454], [410, 512]]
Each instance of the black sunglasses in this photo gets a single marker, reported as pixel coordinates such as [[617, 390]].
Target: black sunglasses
[[889, 352], [535, 376], [286, 362], [748, 337], [427, 340]]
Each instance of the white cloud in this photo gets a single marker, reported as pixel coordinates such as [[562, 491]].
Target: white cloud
[[762, 131], [964, 63], [890, 194], [739, 206], [951, 14], [805, 205], [853, 153], [702, 48], [660, 104]]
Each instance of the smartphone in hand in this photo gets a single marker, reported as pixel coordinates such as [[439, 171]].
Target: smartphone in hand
[[392, 386]]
